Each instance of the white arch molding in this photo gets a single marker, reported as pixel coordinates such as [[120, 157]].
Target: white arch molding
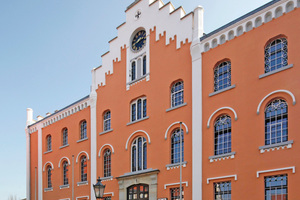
[[149, 141], [112, 149], [48, 162], [167, 131], [69, 163], [274, 92], [87, 155], [223, 108]]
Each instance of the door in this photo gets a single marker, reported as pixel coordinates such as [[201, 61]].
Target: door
[[138, 192]]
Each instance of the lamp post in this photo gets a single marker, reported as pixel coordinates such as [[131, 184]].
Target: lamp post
[[99, 189]]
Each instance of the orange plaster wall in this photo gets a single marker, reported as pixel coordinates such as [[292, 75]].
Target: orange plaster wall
[[33, 164], [71, 122], [167, 64], [246, 54]]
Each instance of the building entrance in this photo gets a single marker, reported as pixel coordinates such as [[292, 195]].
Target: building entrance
[[138, 192]]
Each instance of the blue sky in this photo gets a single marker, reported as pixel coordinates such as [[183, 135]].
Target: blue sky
[[47, 51]]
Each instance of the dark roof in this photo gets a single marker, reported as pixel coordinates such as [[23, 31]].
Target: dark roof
[[239, 19], [131, 5], [60, 110]]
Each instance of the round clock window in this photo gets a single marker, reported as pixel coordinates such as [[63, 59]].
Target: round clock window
[[138, 40]]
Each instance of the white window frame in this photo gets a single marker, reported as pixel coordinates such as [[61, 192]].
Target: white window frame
[[136, 109], [137, 160]]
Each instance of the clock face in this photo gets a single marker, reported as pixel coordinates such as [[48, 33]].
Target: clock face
[[139, 40]]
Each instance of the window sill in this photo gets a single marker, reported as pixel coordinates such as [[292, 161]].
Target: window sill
[[64, 186], [287, 144], [222, 157], [109, 178], [275, 71], [137, 121], [138, 79], [81, 140], [223, 90], [82, 183], [175, 107], [64, 146], [175, 165], [102, 133], [48, 189], [48, 152]]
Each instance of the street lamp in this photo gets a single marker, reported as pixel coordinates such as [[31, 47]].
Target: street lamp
[[99, 189]]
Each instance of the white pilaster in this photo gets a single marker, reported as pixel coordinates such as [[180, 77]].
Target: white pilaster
[[40, 162], [93, 159], [197, 102], [29, 121]]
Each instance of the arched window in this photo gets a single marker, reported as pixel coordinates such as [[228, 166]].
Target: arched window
[[223, 135], [48, 143], [65, 173], [177, 94], [222, 76], [107, 163], [276, 122], [175, 146], [133, 71], [65, 136], [139, 109], [49, 175], [106, 121], [83, 134], [83, 168], [139, 154], [144, 65], [276, 55], [140, 192]]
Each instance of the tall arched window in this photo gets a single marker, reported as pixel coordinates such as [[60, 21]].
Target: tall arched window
[[48, 143], [107, 163], [223, 135], [175, 146], [106, 121], [49, 175], [65, 173], [222, 76], [276, 55], [139, 154], [83, 133], [83, 168], [276, 122], [177, 94], [144, 65], [65, 136]]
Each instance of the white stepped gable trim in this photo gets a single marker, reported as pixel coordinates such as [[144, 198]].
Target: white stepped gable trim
[[82, 152], [293, 168], [222, 177], [48, 162], [264, 16], [223, 108], [274, 92], [138, 131], [164, 18], [59, 163], [105, 145], [167, 131]]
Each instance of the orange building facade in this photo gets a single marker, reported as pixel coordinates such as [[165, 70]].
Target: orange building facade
[[171, 106]]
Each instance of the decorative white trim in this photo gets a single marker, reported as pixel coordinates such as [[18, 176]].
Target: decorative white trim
[[69, 163], [278, 146], [172, 184], [64, 199], [186, 128], [276, 91], [108, 193], [223, 108], [82, 197], [222, 177], [222, 157], [87, 155], [112, 149], [48, 162], [149, 141], [275, 170]]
